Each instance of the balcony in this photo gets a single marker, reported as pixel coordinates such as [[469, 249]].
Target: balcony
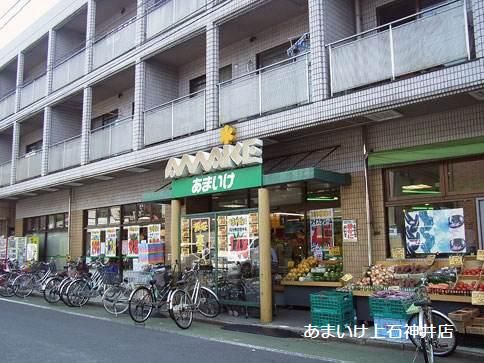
[[7, 105], [65, 154], [29, 166], [69, 70], [179, 117], [5, 170], [115, 43], [278, 86], [33, 91], [166, 14], [110, 140], [432, 38]]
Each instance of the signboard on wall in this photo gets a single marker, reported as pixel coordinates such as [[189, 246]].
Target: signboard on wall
[[349, 230], [321, 231], [435, 231]]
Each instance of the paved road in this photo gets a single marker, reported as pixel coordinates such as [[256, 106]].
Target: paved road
[[31, 331]]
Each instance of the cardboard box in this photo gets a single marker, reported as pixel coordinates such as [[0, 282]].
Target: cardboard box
[[475, 312], [460, 315], [473, 329]]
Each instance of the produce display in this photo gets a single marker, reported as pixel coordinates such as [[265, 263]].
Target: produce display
[[473, 271], [377, 275], [312, 269]]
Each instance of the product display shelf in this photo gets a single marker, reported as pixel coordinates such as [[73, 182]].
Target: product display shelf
[[433, 297], [312, 283]]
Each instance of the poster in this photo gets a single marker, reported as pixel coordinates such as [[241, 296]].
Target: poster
[[154, 233], [95, 242], [349, 230], [133, 241], [20, 247], [111, 242], [200, 237], [435, 231], [238, 234], [3, 250], [321, 230], [124, 247], [12, 248]]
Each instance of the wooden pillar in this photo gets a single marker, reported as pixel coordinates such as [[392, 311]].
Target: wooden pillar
[[265, 274], [175, 231]]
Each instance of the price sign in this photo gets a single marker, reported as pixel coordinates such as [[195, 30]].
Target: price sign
[[347, 277], [429, 260], [477, 297], [394, 288], [455, 261], [335, 251], [398, 253], [480, 255]]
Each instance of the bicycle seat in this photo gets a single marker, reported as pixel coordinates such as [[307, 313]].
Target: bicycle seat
[[152, 282], [125, 281], [423, 303]]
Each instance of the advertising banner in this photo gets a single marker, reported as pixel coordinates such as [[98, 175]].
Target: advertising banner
[[151, 253], [200, 237], [20, 248], [133, 241], [154, 233], [3, 250], [238, 234], [111, 242], [435, 231], [321, 230], [95, 242], [349, 231], [32, 249]]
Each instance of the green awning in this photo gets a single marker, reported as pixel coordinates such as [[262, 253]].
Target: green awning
[[292, 176], [438, 151]]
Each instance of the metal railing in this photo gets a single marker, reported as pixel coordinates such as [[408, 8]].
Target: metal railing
[[5, 171], [65, 154], [112, 139], [69, 69], [33, 91], [166, 14], [29, 165], [115, 43], [430, 38], [7, 105], [182, 116], [274, 87]]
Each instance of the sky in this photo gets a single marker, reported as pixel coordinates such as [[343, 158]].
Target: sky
[[32, 11]]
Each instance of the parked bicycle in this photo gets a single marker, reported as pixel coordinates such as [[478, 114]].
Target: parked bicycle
[[81, 290], [429, 324], [33, 278], [7, 276], [55, 284], [116, 295]]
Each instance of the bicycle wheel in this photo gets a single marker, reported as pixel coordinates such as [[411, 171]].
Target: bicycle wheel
[[23, 285], [78, 293], [6, 285], [208, 304], [63, 291], [140, 305], [442, 346], [181, 309], [51, 290], [427, 349], [116, 299]]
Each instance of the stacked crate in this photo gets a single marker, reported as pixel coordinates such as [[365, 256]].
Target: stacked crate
[[332, 308], [390, 317]]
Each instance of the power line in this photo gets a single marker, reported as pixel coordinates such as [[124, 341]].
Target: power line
[[10, 8], [14, 15]]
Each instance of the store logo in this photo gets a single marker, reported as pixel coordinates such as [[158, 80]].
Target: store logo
[[245, 153]]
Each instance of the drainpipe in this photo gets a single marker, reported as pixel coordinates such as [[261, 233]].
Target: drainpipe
[[69, 223], [357, 16], [367, 198]]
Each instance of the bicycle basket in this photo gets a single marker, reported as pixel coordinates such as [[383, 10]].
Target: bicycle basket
[[111, 278]]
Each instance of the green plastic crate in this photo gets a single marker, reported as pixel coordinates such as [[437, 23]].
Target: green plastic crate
[[322, 318], [388, 308], [335, 302]]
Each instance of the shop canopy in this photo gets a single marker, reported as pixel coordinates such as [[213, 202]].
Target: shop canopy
[[438, 151], [292, 176]]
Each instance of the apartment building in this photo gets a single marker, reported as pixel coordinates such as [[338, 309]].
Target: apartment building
[[367, 108]]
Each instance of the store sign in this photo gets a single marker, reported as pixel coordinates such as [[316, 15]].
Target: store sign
[[480, 255], [245, 153], [456, 261], [245, 178], [349, 230], [398, 253]]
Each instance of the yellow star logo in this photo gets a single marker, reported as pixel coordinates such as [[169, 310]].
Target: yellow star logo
[[228, 135]]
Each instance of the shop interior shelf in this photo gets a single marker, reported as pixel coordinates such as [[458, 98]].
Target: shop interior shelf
[[312, 283], [433, 297]]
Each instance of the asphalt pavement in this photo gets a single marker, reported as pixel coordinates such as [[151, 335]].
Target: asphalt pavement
[[33, 331]]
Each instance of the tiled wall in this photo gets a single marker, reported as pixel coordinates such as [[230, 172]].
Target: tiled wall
[[66, 42], [339, 20], [161, 83], [123, 103], [7, 82], [51, 203], [66, 123], [76, 232], [5, 148], [115, 17], [30, 138], [368, 12]]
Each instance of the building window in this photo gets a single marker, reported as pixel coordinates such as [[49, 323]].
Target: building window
[[458, 176], [413, 181], [35, 146], [197, 84], [104, 119], [271, 56]]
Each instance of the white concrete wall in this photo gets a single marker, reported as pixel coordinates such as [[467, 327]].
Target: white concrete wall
[[123, 103], [66, 123], [67, 42], [29, 138], [161, 83]]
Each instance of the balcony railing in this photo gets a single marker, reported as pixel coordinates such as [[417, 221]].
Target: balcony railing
[[33, 91], [29, 166], [179, 117], [112, 139], [434, 37], [168, 13], [65, 154], [115, 43], [5, 170], [69, 70], [7, 105], [277, 86]]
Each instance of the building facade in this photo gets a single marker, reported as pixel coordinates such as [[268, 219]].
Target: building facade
[[99, 94]]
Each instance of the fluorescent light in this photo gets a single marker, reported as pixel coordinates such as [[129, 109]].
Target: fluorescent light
[[138, 170], [103, 177], [233, 205], [290, 214], [421, 191], [74, 184], [416, 187], [322, 199]]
